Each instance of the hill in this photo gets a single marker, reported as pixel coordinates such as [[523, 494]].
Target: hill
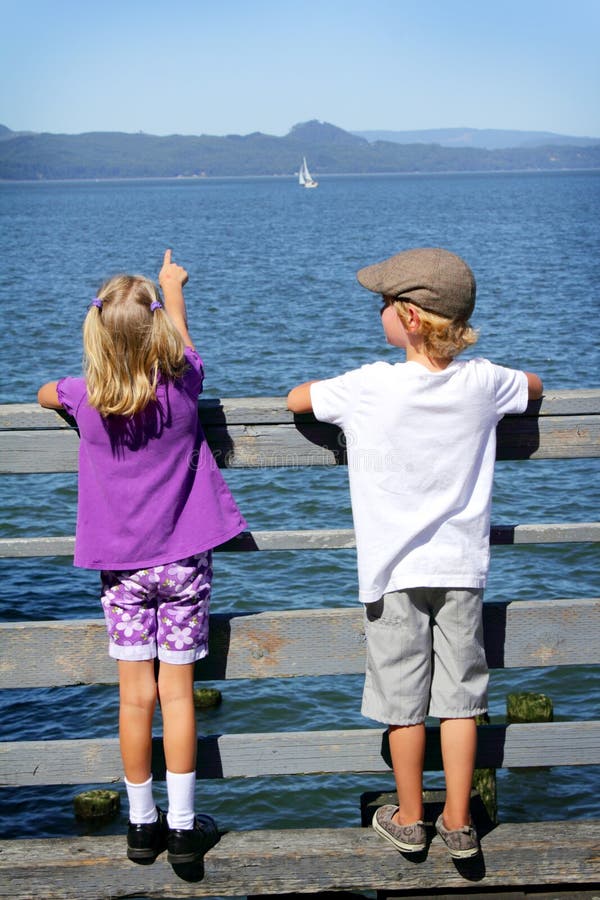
[[486, 138], [330, 150]]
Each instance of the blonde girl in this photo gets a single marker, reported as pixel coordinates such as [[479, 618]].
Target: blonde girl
[[152, 504]]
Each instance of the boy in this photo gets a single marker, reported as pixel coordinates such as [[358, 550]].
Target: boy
[[421, 438]]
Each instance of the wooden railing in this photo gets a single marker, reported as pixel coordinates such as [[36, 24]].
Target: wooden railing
[[266, 644]]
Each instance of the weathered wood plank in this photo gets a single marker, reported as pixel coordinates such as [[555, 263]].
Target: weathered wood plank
[[297, 642], [542, 633], [318, 539], [98, 761], [255, 410], [540, 533], [305, 444], [235, 446], [554, 437], [22, 666], [43, 451], [21, 548], [305, 861]]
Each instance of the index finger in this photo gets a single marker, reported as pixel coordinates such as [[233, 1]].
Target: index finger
[[167, 259]]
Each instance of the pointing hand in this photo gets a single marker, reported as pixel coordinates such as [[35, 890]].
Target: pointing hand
[[171, 273]]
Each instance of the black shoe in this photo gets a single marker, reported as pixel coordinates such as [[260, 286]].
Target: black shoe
[[188, 845], [145, 842]]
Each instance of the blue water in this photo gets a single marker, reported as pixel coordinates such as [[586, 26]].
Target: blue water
[[272, 300]]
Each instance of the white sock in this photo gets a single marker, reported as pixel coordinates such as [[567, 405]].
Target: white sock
[[181, 789], [142, 809]]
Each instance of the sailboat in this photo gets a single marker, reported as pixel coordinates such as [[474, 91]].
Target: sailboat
[[305, 179]]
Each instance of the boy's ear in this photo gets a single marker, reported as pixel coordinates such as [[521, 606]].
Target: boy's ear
[[414, 319]]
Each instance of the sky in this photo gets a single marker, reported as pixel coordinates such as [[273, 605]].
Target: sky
[[238, 66]]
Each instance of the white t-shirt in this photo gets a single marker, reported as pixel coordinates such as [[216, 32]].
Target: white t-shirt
[[421, 451]]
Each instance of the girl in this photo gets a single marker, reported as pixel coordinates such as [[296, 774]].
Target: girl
[[152, 505]]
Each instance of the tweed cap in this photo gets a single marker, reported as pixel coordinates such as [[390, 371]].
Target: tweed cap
[[429, 277]]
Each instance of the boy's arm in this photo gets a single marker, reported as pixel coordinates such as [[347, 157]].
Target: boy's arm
[[171, 279], [48, 396], [298, 399], [534, 385]]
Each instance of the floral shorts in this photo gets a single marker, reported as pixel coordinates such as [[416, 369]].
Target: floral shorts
[[160, 611]]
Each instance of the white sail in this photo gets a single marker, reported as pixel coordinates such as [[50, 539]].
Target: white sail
[[304, 177]]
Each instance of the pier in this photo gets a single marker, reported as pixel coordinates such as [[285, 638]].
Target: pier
[[559, 856]]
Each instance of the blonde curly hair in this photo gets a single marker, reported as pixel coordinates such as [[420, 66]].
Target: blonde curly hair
[[442, 338], [127, 345]]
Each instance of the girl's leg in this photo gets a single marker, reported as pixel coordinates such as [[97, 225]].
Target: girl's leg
[[137, 688], [407, 748], [459, 746], [184, 602], [175, 687], [138, 693]]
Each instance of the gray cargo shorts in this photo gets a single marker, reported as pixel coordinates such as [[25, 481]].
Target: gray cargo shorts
[[425, 656]]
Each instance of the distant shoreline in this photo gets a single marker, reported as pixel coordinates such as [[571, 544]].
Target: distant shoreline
[[293, 177]]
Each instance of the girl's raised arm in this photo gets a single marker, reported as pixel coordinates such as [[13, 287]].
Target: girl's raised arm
[[171, 279]]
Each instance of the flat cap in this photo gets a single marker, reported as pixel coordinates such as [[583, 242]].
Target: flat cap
[[429, 277]]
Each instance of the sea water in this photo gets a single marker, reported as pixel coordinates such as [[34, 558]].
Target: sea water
[[272, 301]]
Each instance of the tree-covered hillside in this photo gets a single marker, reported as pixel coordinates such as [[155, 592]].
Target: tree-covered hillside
[[330, 150]]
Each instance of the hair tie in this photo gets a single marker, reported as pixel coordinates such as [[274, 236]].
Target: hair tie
[[156, 304], [96, 302]]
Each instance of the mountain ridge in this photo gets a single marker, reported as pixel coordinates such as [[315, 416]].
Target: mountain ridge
[[484, 138], [331, 150]]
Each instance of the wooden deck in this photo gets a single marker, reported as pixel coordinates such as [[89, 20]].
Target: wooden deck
[[304, 861]]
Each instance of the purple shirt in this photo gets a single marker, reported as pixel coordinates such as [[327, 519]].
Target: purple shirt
[[150, 491]]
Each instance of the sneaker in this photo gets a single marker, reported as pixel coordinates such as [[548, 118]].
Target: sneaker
[[145, 842], [461, 843], [408, 838], [188, 845]]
